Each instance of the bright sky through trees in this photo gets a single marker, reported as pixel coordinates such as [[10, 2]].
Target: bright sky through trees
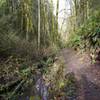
[[63, 10]]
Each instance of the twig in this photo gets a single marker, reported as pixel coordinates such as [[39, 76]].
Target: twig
[[17, 88]]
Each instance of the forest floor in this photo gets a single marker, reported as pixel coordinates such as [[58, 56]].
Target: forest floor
[[87, 74]]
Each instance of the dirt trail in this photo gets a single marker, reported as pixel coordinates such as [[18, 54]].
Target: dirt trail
[[87, 75]]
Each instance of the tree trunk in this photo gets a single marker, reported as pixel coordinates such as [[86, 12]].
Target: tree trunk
[[38, 24], [57, 10]]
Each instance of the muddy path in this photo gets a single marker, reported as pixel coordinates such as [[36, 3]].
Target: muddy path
[[87, 74]]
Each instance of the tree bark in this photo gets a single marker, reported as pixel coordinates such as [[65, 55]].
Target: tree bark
[[38, 24]]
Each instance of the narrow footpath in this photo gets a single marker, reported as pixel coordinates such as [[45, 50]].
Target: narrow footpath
[[87, 74]]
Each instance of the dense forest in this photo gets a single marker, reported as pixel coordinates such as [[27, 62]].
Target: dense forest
[[38, 61]]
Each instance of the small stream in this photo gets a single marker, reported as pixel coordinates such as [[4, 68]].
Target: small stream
[[37, 92], [42, 89]]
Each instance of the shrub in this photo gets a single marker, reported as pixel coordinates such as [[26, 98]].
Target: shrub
[[88, 35]]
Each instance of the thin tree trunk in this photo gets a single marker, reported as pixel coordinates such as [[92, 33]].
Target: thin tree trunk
[[57, 10], [38, 24]]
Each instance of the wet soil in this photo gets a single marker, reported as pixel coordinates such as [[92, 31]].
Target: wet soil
[[86, 73]]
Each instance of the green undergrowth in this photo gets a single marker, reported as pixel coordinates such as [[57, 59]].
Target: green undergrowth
[[17, 74], [18, 78], [87, 36], [65, 88]]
